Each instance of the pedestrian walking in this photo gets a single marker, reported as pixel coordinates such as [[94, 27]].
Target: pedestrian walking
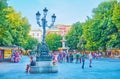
[[83, 60], [67, 57], [71, 57], [90, 59], [77, 57], [54, 59], [80, 57], [60, 57]]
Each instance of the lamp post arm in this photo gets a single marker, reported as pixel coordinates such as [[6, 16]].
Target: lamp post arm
[[38, 22], [51, 25]]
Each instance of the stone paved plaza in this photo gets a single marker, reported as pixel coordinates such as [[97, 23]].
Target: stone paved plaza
[[103, 68]]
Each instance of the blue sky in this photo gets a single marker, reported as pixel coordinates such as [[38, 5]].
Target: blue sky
[[67, 11]]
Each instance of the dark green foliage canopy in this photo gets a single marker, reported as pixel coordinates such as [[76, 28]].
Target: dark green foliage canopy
[[73, 35], [14, 28], [54, 41], [101, 31]]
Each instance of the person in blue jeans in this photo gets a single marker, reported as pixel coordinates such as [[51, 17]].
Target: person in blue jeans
[[71, 57], [83, 61], [77, 57]]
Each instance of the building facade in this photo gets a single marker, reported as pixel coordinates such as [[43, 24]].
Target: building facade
[[36, 33], [60, 29]]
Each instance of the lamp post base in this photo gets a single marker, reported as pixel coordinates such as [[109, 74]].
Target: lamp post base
[[44, 62], [44, 67], [44, 58]]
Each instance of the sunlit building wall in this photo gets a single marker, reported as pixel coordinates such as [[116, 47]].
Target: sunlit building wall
[[36, 33]]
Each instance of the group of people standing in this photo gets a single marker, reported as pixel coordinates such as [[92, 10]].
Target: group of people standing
[[15, 57], [63, 57], [73, 57]]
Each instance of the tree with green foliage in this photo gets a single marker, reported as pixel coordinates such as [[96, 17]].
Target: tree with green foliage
[[14, 28], [81, 44], [5, 36], [3, 4], [91, 35], [31, 43], [73, 35], [53, 41], [17, 26], [116, 15], [99, 30], [115, 41]]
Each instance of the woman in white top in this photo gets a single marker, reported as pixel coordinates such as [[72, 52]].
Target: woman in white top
[[90, 59]]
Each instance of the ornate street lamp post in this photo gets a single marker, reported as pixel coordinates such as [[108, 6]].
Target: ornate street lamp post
[[44, 22], [43, 50], [43, 58]]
